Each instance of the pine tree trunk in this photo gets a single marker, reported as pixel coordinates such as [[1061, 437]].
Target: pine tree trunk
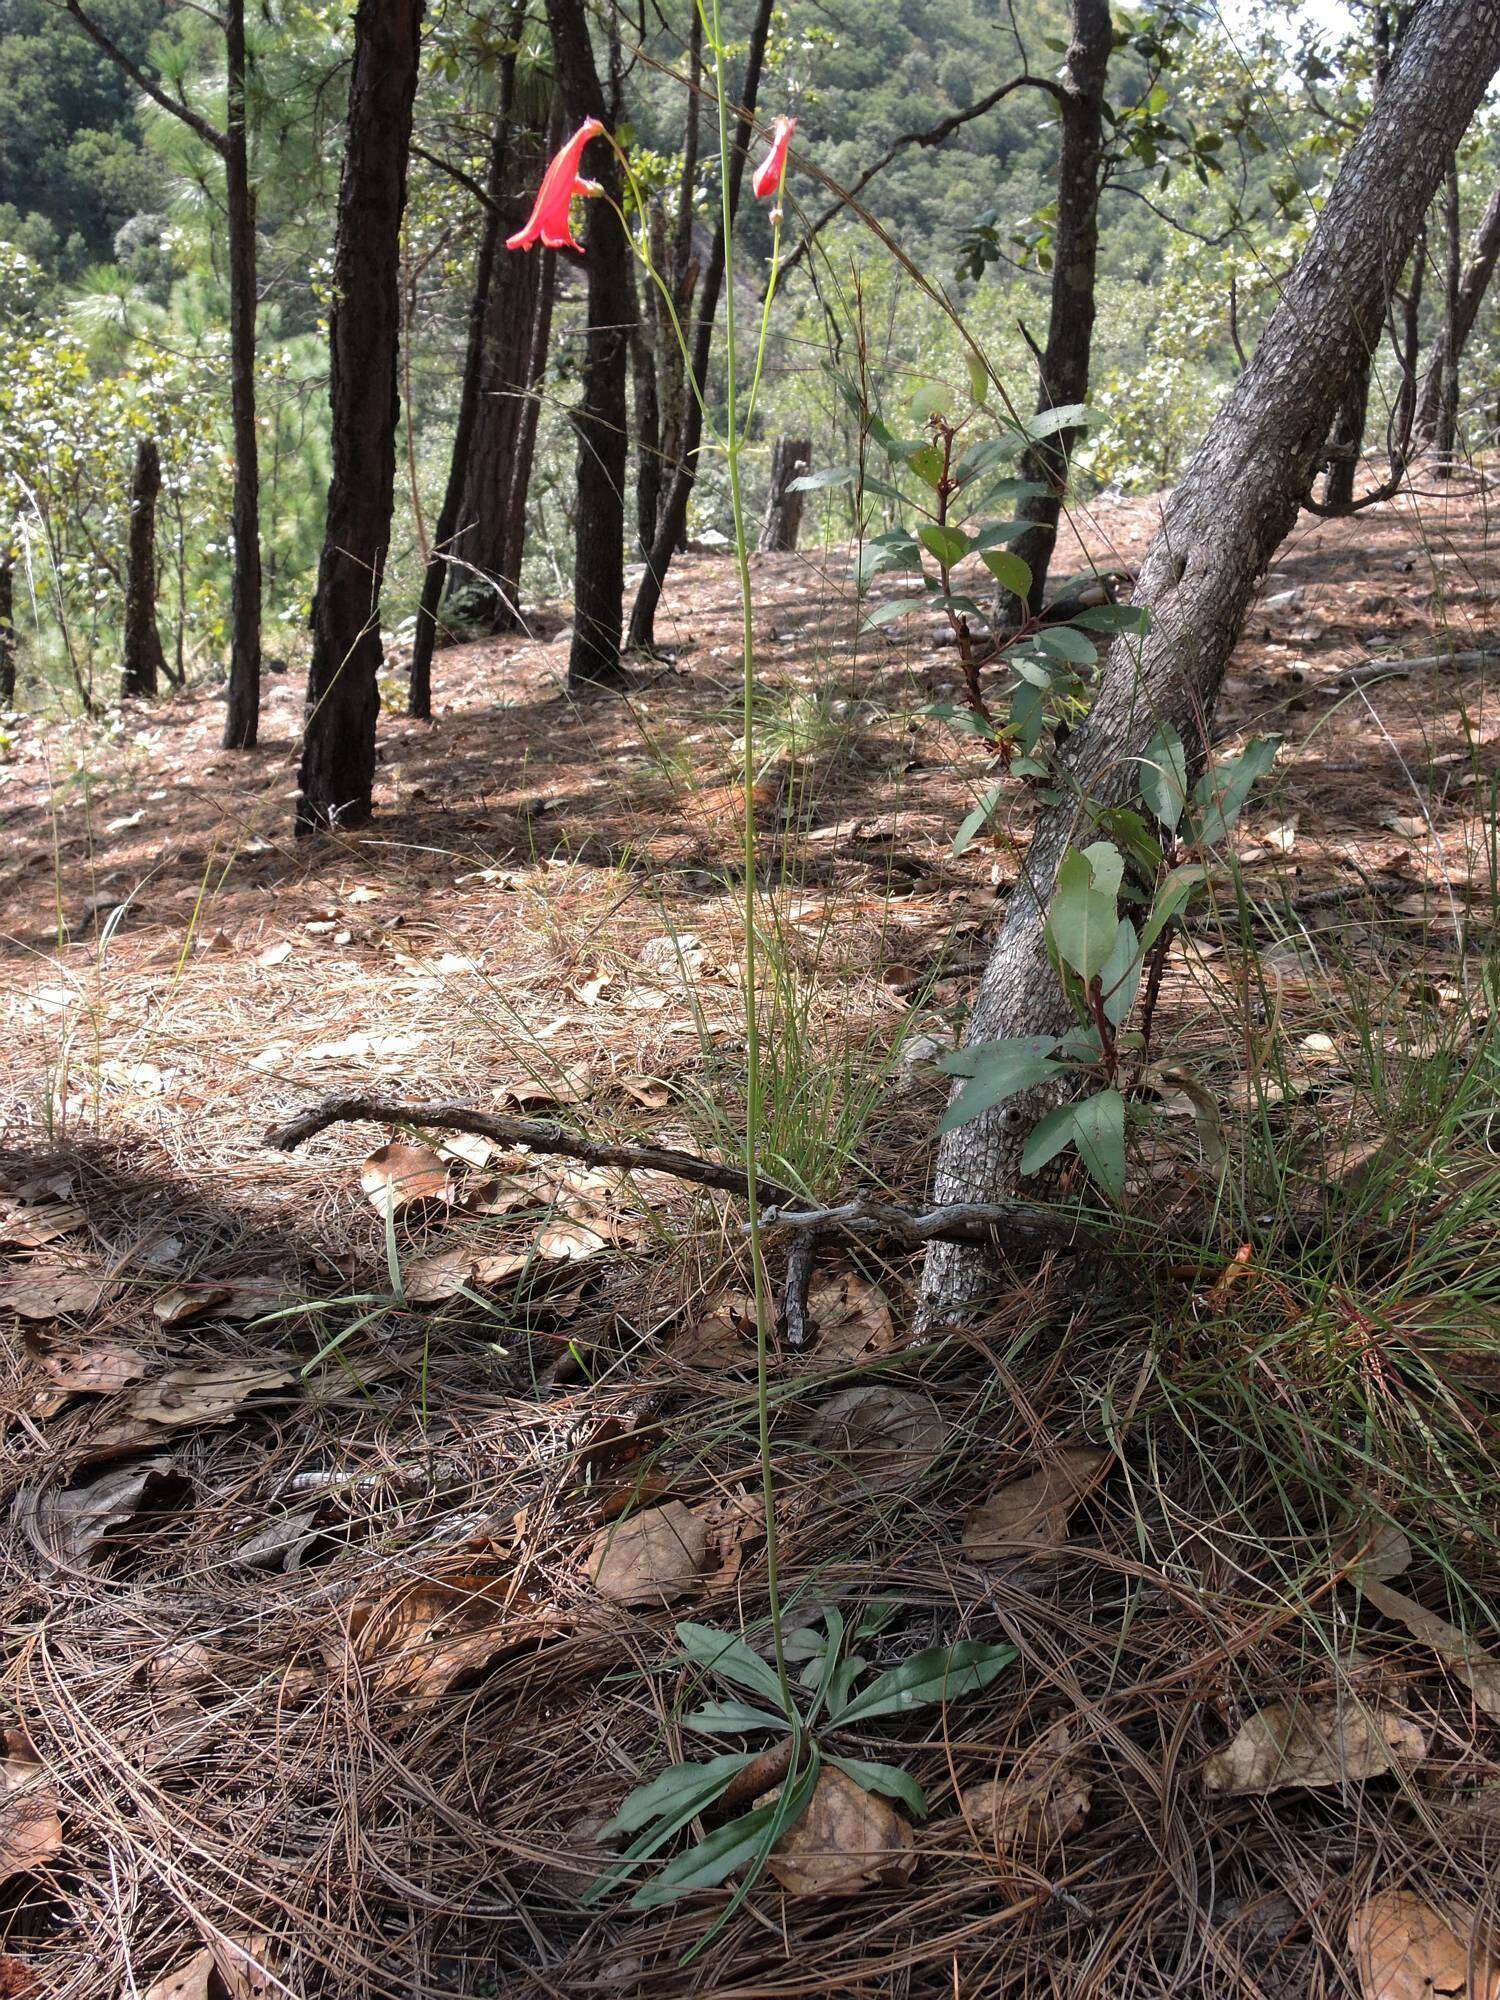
[[1068, 355], [518, 484], [671, 523], [497, 225], [7, 634], [338, 747], [1346, 441], [1445, 433], [790, 458], [242, 717], [1236, 502], [143, 661], [1478, 270], [599, 417]]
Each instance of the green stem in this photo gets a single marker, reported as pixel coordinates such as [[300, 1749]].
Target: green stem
[[754, 1082]]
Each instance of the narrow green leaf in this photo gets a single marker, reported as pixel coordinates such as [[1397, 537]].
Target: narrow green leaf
[[993, 1082], [1114, 618], [1099, 1132], [1164, 776], [943, 1673], [1047, 1139], [974, 822], [994, 533], [1082, 920], [1171, 897], [728, 1658], [888, 1779], [692, 1785], [1120, 975], [819, 482], [1225, 788], [725, 1718]]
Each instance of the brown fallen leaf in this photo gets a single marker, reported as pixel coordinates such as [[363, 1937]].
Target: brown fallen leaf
[[846, 1841], [651, 1558], [1313, 1744], [1027, 1515], [401, 1175], [881, 1436], [1404, 1949], [18, 1980], [30, 1829], [570, 1085], [209, 1395], [85, 1371], [853, 1317], [72, 1519], [47, 1291], [418, 1642], [1044, 1799], [27, 1227], [180, 1303], [648, 1091], [1463, 1656], [228, 1969]]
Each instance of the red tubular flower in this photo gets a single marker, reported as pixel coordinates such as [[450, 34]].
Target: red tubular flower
[[771, 172], [549, 221]]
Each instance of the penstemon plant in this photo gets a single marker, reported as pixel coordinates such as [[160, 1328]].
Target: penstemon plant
[[1109, 928]]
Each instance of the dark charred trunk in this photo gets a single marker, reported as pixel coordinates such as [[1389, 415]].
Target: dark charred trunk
[[242, 716], [671, 523], [1068, 354], [1472, 286], [1445, 431], [1236, 502], [600, 416], [338, 746], [143, 662], [790, 458], [518, 485], [7, 634], [491, 310], [647, 419]]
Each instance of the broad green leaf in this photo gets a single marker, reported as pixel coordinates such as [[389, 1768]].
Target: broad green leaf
[[1013, 489], [888, 1779], [1065, 417], [1164, 776], [943, 1673], [1171, 897], [833, 1618], [981, 456], [1011, 572], [974, 822], [888, 612], [1130, 831], [928, 399], [1037, 672], [841, 1683], [945, 545], [1114, 618], [818, 482], [1047, 1139], [728, 1658], [723, 1718], [979, 376], [927, 463], [1099, 1133], [994, 533], [1008, 1071], [1082, 920], [1063, 643], [1121, 974], [895, 548], [1108, 864], [969, 1061], [1225, 788]]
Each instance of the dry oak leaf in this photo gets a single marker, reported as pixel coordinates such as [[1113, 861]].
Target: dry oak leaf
[[853, 1317], [421, 1641], [846, 1841], [1026, 1515], [46, 1291], [30, 1830], [400, 1174], [85, 1371], [881, 1436], [202, 1395], [1045, 1798], [23, 1227], [1313, 1744], [650, 1558], [1403, 1949], [180, 1303], [225, 1970], [73, 1519]]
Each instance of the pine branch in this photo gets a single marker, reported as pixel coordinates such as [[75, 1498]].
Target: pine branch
[[206, 132]]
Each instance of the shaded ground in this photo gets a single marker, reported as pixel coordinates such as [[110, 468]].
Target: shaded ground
[[324, 1669]]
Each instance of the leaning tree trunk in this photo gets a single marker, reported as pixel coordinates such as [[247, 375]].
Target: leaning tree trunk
[[1236, 502], [671, 523], [242, 717], [492, 234], [7, 634], [599, 416], [1477, 272], [1445, 432], [790, 458], [143, 661], [338, 745], [1067, 357]]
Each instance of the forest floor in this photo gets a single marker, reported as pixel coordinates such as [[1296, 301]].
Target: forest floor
[[323, 1637]]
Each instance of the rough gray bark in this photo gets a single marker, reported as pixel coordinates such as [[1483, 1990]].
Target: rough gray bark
[[1472, 286], [1236, 502], [1067, 356], [338, 744], [143, 662], [790, 458]]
